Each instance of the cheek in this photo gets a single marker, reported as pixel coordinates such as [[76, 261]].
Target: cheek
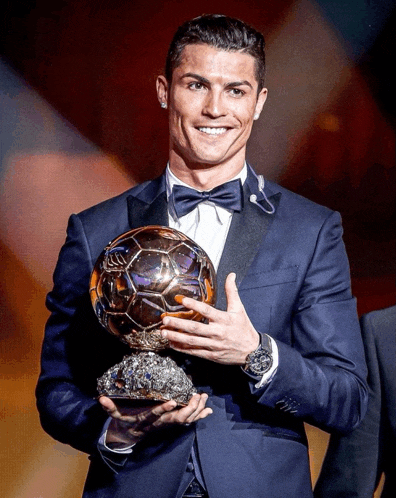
[[175, 122], [245, 114], [178, 130], [184, 104], [180, 115], [246, 126]]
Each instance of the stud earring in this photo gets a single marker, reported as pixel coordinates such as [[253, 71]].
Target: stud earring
[[163, 105]]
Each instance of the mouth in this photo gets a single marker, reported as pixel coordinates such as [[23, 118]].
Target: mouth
[[212, 131]]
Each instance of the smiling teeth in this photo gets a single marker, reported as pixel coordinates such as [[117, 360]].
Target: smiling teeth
[[213, 131]]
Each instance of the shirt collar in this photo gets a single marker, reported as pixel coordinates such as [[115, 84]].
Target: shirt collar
[[171, 179]]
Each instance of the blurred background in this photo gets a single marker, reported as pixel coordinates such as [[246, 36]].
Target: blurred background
[[80, 122]]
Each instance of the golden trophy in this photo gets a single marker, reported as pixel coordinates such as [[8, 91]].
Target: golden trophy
[[136, 281]]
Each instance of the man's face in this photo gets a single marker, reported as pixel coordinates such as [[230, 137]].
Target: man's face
[[212, 103]]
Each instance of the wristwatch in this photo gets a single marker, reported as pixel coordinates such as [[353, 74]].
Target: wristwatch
[[260, 360]]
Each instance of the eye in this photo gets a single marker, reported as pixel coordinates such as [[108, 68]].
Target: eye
[[196, 85], [236, 92]]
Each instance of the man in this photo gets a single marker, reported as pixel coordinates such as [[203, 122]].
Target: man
[[282, 346], [354, 463]]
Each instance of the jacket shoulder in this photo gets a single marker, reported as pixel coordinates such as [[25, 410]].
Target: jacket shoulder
[[102, 222], [112, 204], [300, 208]]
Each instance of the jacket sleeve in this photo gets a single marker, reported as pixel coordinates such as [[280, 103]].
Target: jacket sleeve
[[76, 350], [321, 376]]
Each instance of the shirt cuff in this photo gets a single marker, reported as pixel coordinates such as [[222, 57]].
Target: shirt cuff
[[102, 446], [268, 376]]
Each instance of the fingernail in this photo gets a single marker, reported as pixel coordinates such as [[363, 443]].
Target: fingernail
[[164, 333], [179, 298]]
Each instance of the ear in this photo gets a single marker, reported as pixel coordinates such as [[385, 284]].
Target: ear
[[162, 90], [262, 97]]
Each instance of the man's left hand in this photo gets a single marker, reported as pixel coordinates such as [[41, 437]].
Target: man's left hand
[[227, 338]]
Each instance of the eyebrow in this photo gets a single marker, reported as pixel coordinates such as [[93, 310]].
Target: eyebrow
[[207, 82], [197, 77]]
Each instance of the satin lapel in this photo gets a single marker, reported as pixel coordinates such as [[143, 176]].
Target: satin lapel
[[149, 207], [245, 237]]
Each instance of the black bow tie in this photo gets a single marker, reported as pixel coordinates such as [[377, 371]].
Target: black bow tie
[[228, 195]]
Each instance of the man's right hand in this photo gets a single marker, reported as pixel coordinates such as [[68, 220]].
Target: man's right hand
[[129, 425]]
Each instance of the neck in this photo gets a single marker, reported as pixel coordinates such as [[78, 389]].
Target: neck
[[205, 176]]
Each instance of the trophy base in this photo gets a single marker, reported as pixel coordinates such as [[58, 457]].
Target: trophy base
[[149, 377]]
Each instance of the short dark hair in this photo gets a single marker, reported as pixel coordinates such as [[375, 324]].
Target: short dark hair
[[222, 32]]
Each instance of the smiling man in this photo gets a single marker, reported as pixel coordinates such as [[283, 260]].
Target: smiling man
[[213, 98], [281, 346]]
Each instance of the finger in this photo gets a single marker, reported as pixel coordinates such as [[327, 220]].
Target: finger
[[203, 347], [187, 340], [181, 325], [234, 302], [203, 309], [206, 352], [148, 416], [165, 407], [203, 414], [162, 408], [110, 407], [187, 332], [181, 415], [196, 413]]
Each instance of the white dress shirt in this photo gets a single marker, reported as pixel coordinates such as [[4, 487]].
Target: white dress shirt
[[207, 224]]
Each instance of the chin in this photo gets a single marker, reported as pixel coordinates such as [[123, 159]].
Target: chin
[[210, 159], [207, 164]]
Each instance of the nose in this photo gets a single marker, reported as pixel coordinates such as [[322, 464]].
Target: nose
[[214, 105]]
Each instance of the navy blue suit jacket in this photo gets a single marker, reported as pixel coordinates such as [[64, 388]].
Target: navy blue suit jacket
[[293, 278], [354, 463]]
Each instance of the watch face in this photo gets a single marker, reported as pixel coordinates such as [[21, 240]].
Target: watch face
[[260, 363]]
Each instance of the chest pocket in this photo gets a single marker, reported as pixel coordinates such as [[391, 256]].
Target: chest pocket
[[269, 298], [269, 278]]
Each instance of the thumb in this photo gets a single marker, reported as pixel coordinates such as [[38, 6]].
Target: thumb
[[233, 300], [109, 406]]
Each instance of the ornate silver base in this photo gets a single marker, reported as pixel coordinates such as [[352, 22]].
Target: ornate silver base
[[147, 376]]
